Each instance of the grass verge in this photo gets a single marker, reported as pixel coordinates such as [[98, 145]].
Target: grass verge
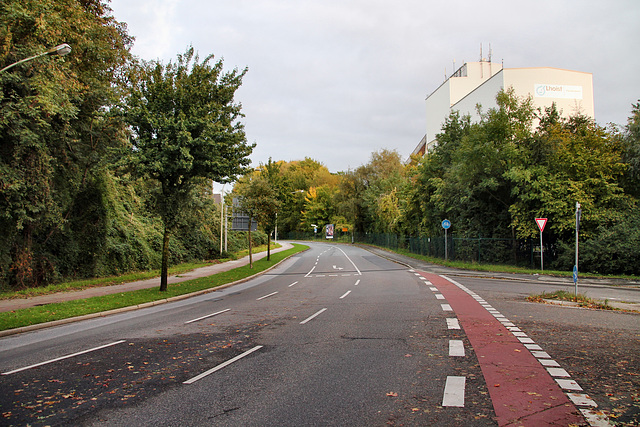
[[78, 285], [581, 300], [501, 268], [74, 308]]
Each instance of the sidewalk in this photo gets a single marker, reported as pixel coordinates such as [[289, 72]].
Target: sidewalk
[[17, 304]]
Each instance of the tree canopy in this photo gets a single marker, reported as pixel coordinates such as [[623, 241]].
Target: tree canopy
[[185, 128], [55, 124]]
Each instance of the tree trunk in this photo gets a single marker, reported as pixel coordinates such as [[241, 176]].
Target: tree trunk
[[268, 246], [165, 260], [250, 255]]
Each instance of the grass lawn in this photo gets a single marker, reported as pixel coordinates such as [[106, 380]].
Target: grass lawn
[[503, 268], [64, 310]]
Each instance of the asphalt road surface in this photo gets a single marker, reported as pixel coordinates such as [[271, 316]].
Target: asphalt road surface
[[334, 336]]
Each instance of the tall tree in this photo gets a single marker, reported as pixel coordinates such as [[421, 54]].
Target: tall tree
[[186, 128], [55, 127]]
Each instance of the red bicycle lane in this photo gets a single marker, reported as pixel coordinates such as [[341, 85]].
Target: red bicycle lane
[[521, 389]]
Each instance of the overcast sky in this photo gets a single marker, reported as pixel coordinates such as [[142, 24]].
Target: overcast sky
[[335, 80]]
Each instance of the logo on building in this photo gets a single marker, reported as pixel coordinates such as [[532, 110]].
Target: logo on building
[[557, 91]]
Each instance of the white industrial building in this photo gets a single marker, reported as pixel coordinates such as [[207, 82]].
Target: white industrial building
[[478, 83]]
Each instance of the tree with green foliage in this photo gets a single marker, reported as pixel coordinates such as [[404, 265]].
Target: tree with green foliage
[[464, 177], [569, 160], [56, 127], [631, 152], [297, 177], [259, 199], [492, 178], [424, 210], [372, 197], [185, 129]]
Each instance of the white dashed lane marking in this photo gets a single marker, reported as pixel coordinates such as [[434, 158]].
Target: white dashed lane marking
[[454, 391]]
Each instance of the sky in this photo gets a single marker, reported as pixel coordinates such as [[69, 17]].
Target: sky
[[336, 80]]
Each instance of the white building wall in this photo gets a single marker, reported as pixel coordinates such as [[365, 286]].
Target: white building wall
[[485, 95], [572, 91], [438, 107], [464, 80]]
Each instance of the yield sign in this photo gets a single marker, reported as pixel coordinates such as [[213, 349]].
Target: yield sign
[[541, 223]]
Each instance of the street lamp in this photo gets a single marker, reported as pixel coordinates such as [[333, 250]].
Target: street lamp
[[61, 49]]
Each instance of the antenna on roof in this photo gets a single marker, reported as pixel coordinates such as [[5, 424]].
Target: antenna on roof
[[480, 52], [490, 52]]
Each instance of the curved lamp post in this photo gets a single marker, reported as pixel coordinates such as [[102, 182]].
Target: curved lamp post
[[61, 49]]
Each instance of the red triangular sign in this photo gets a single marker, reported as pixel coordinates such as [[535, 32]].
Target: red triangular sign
[[541, 223]]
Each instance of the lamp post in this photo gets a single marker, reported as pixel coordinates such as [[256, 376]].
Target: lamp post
[[61, 49]]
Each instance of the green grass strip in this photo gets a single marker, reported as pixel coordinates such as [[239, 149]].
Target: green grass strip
[[77, 285], [500, 268], [68, 309]]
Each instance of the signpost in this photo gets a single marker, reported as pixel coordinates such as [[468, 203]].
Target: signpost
[[446, 224], [541, 223], [575, 267]]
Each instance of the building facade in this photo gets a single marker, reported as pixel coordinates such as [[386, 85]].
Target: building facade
[[478, 83]]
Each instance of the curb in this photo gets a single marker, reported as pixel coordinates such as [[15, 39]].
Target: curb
[[31, 328]]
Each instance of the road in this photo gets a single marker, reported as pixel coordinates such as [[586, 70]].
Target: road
[[334, 336]]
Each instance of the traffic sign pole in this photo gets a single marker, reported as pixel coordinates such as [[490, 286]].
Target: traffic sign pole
[[446, 250], [541, 223], [541, 254], [446, 224], [575, 267]]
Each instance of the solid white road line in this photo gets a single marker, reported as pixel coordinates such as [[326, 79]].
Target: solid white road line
[[208, 315], [354, 265], [310, 271], [222, 365], [63, 357], [454, 392], [345, 294], [267, 296], [294, 283], [456, 348], [313, 316]]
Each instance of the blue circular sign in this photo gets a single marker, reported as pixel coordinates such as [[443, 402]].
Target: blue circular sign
[[446, 224]]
